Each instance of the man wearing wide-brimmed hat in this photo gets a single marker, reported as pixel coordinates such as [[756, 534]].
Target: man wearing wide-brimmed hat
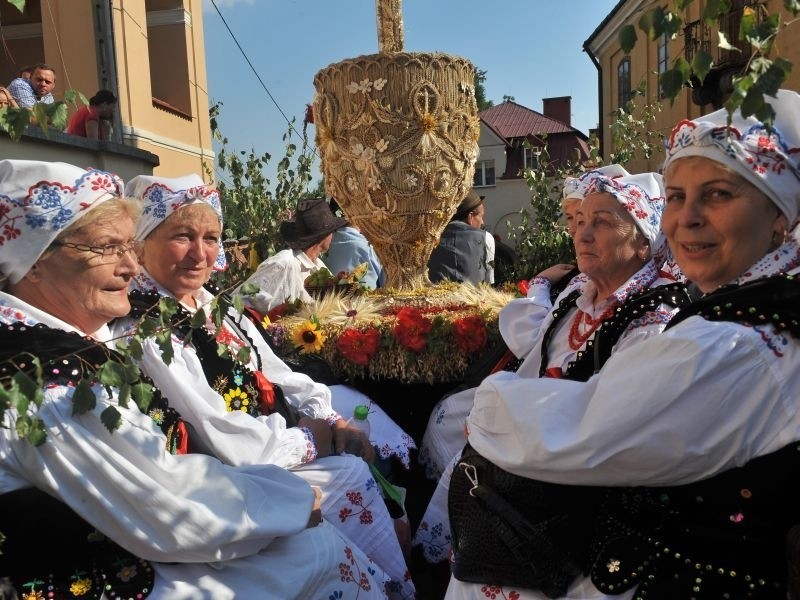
[[280, 278]]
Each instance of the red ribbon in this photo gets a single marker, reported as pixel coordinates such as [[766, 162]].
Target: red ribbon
[[266, 396]]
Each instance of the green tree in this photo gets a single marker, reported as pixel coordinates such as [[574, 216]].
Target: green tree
[[252, 206], [480, 90], [541, 237], [630, 130]]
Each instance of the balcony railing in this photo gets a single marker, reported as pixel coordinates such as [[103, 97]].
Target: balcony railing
[[698, 36]]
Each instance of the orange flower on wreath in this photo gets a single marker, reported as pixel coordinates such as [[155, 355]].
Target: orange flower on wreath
[[412, 329], [358, 346], [470, 334]]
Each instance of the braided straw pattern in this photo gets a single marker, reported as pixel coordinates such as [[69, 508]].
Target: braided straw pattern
[[390, 25], [398, 136]]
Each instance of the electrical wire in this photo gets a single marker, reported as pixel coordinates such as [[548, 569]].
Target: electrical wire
[[58, 45], [263, 85]]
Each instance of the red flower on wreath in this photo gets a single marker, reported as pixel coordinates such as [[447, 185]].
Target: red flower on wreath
[[523, 286], [358, 346], [470, 333], [411, 329]]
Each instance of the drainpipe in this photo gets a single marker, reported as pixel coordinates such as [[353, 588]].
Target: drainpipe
[[107, 58], [600, 128]]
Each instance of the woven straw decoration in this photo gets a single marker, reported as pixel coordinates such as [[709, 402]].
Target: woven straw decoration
[[398, 136]]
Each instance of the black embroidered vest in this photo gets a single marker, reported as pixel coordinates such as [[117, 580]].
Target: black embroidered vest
[[50, 551], [598, 348], [723, 537], [242, 389]]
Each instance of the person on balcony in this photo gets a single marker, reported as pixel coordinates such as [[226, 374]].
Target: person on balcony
[[7, 99], [36, 90], [94, 121]]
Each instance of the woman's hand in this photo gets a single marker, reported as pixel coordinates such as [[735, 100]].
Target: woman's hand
[[352, 440], [316, 510], [556, 273], [321, 431]]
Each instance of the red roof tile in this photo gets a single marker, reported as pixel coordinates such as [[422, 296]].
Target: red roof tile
[[512, 120]]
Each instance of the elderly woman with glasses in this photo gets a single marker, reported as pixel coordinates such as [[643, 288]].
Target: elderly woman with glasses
[[247, 408], [93, 503], [702, 420]]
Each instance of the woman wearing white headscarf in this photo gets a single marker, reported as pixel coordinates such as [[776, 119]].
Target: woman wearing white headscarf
[[702, 418], [234, 402], [612, 305], [99, 507]]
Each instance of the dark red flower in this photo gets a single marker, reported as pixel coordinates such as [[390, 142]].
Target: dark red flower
[[470, 334], [358, 346], [411, 329]]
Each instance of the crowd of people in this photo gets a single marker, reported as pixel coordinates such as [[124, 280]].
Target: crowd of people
[[35, 85], [636, 445]]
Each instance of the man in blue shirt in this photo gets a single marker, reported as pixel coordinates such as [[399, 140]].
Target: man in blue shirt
[[351, 248], [37, 89]]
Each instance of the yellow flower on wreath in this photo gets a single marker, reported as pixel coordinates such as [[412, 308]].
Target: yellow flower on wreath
[[81, 587], [308, 336], [236, 400]]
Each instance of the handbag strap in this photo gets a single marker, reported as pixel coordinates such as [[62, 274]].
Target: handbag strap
[[526, 541]]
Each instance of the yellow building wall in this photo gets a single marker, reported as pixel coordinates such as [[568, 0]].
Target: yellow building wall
[[644, 65], [182, 141]]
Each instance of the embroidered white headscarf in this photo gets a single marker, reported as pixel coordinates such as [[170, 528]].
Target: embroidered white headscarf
[[163, 196], [38, 200], [769, 161], [575, 187]]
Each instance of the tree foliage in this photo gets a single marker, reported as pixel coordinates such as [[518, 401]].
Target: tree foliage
[[480, 90], [764, 73], [253, 207], [541, 237]]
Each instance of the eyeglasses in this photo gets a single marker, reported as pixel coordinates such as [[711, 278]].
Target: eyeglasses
[[106, 251]]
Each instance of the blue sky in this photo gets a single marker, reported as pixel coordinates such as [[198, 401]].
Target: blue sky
[[531, 49]]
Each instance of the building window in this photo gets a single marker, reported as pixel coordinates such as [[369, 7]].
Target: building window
[[530, 157], [663, 60], [484, 173], [168, 30], [624, 81]]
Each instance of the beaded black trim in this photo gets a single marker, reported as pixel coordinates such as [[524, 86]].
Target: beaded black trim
[[598, 348], [67, 358], [722, 537], [769, 301]]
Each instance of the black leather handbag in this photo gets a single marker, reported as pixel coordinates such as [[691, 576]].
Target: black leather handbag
[[513, 531]]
